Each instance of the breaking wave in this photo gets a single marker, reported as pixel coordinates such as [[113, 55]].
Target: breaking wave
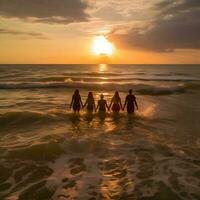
[[145, 89], [24, 117]]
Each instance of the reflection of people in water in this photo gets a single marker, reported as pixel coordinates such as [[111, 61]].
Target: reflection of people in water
[[90, 103], [130, 102], [116, 103], [102, 104], [76, 102]]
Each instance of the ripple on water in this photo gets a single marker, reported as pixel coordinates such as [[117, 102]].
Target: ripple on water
[[108, 164]]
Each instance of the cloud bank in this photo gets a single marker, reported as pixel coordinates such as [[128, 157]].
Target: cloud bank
[[45, 11], [21, 33], [176, 26]]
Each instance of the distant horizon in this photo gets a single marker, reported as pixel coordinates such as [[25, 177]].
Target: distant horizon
[[99, 64]]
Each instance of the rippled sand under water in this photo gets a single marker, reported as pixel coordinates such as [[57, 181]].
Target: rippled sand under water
[[97, 157]]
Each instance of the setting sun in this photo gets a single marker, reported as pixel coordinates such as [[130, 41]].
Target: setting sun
[[101, 46]]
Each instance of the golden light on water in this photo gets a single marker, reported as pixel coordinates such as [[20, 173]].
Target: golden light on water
[[102, 67], [102, 46], [149, 111]]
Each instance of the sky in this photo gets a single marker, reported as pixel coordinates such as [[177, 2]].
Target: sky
[[63, 31]]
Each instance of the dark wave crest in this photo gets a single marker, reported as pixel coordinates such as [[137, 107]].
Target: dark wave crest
[[24, 118], [144, 89]]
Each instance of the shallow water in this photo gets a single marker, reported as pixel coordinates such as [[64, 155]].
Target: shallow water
[[46, 152]]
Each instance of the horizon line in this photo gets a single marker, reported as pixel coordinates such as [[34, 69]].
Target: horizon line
[[99, 64]]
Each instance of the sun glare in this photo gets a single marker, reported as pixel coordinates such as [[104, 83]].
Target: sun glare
[[101, 46]]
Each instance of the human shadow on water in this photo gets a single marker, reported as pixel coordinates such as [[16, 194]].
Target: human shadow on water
[[123, 121], [116, 117], [101, 116], [89, 116], [75, 119], [130, 121], [113, 121]]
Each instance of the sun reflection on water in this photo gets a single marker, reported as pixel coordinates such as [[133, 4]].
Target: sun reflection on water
[[102, 67], [149, 111]]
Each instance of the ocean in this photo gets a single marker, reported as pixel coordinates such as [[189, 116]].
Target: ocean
[[48, 152]]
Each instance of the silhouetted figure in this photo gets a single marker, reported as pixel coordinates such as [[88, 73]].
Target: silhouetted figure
[[102, 104], [90, 103], [130, 102], [76, 102], [116, 103]]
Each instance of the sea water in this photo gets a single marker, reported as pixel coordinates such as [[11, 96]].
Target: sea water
[[47, 152]]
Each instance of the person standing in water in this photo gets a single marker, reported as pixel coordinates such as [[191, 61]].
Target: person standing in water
[[90, 103], [116, 103], [130, 103], [76, 102], [102, 104]]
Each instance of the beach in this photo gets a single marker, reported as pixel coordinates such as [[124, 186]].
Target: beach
[[48, 152]]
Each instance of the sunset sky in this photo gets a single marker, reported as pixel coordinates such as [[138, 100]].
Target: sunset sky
[[63, 31]]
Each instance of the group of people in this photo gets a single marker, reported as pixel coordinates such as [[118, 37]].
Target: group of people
[[102, 105]]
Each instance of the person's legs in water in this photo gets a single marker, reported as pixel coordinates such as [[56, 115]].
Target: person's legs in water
[[76, 108], [130, 109], [116, 108], [102, 104]]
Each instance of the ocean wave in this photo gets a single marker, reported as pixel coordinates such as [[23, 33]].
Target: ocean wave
[[192, 86], [112, 79], [170, 74], [100, 78], [24, 117], [96, 74], [145, 89]]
